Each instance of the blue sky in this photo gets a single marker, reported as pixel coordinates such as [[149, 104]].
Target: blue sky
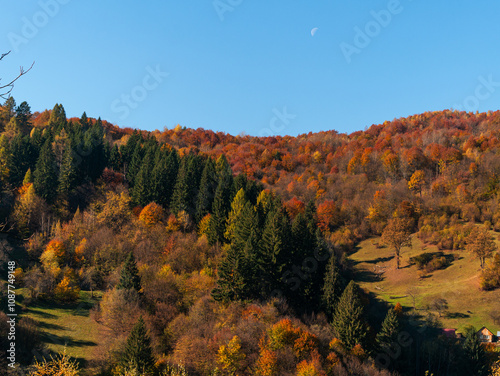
[[253, 66]]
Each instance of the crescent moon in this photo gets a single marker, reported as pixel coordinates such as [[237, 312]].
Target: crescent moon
[[313, 31]]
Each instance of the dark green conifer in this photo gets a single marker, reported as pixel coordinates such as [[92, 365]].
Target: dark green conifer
[[389, 332], [129, 277], [348, 320], [334, 285], [138, 353], [46, 174]]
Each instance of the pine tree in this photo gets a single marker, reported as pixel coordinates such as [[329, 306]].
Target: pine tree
[[24, 155], [142, 192], [389, 332], [57, 119], [67, 173], [135, 163], [138, 353], [334, 285], [23, 116], [180, 194], [28, 178], [220, 209], [475, 361], [115, 159], [206, 193], [129, 277], [234, 216], [231, 282], [348, 320], [163, 178], [274, 250], [45, 175]]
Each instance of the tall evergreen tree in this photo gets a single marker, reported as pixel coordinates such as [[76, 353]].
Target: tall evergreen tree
[[138, 353], [206, 193], [24, 154], [129, 277], [180, 194], [135, 163], [348, 320], [23, 116], [388, 334], [142, 191], [163, 178], [475, 361], [45, 175], [57, 119], [334, 285], [231, 281], [274, 250], [115, 159], [67, 173]]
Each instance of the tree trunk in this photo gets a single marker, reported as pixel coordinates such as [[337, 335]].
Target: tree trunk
[[397, 259]]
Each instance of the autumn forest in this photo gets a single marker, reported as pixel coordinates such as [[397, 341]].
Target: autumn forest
[[192, 252]]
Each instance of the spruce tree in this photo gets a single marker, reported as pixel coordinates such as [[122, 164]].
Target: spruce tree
[[142, 191], [129, 277], [180, 195], [138, 353], [115, 159], [334, 285], [237, 207], [475, 360], [274, 251], [23, 116], [28, 178], [163, 178], [231, 282], [206, 193], [389, 332], [67, 173], [348, 320], [45, 175]]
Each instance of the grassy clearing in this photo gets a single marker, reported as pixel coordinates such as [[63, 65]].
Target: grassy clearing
[[67, 325], [458, 283]]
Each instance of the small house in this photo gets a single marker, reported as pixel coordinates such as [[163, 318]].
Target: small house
[[485, 335], [449, 333]]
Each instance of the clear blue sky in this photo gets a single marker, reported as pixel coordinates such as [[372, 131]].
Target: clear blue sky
[[236, 70]]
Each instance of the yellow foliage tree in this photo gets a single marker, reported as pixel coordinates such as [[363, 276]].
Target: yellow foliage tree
[[151, 214], [230, 356], [60, 365], [53, 256], [417, 181], [67, 289]]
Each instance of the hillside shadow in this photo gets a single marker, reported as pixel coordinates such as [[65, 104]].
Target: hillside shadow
[[67, 341], [456, 315], [49, 326], [368, 276], [379, 259], [39, 313]]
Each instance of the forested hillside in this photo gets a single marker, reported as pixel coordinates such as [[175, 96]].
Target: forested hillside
[[202, 253]]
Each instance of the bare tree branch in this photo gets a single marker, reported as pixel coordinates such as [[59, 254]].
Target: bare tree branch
[[10, 85]]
